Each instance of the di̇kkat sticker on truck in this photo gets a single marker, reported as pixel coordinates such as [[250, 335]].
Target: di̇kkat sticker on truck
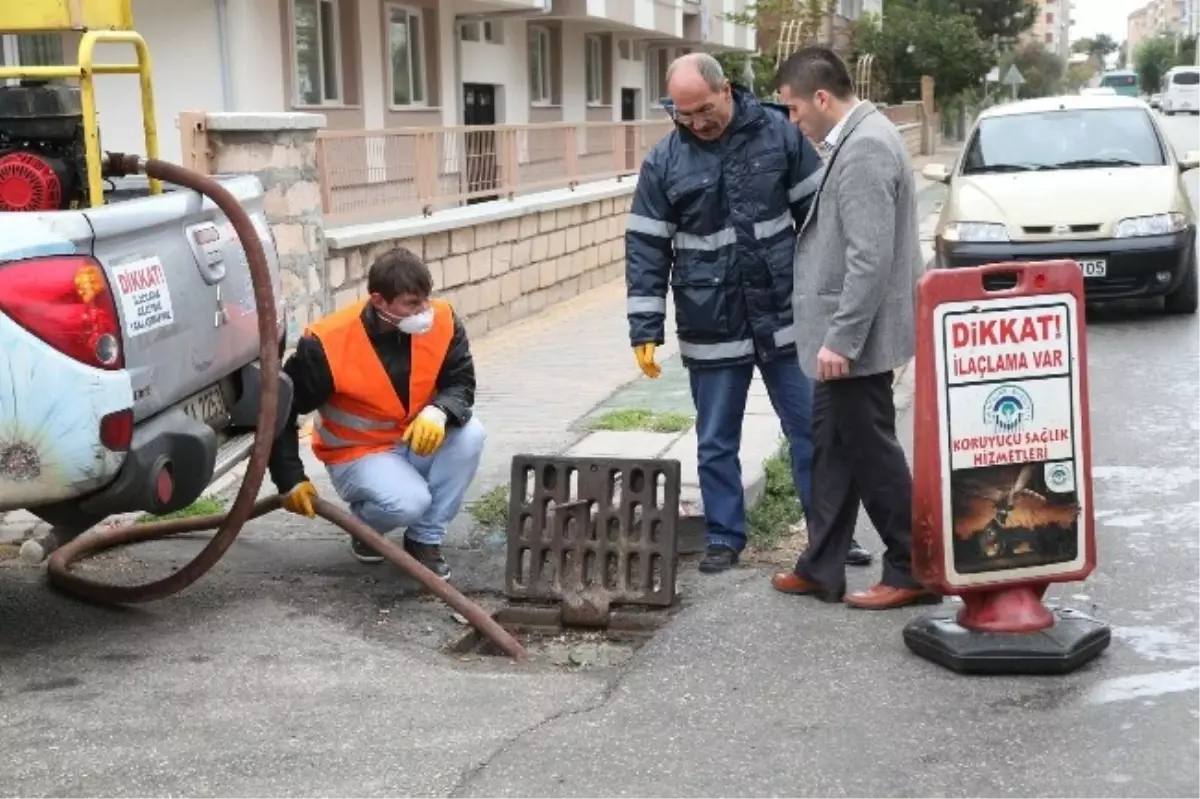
[[145, 296], [1009, 401]]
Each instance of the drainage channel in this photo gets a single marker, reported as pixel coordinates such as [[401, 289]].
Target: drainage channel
[[590, 574], [539, 628]]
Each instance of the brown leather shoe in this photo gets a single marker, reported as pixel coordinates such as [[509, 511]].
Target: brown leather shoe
[[886, 597], [792, 583]]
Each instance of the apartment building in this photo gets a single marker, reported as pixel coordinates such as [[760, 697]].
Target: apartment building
[[1160, 18], [374, 64], [1052, 26]]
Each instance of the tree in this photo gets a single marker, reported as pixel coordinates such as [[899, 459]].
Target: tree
[[1078, 76], [1152, 59], [1123, 55], [914, 42], [997, 21], [1100, 46], [767, 17], [1043, 71], [1187, 51]]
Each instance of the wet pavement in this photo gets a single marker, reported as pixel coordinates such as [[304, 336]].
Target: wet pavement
[[292, 670]]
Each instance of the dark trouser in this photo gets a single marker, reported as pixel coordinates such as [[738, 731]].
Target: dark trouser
[[720, 398], [856, 456]]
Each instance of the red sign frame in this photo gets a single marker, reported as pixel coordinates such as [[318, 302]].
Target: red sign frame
[[933, 526]]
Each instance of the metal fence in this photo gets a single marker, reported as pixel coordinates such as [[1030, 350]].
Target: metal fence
[[379, 174]]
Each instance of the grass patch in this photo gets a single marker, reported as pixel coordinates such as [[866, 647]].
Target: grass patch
[[769, 521], [205, 506], [491, 510], [640, 419]]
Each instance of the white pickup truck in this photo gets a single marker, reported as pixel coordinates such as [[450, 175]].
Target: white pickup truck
[[128, 340]]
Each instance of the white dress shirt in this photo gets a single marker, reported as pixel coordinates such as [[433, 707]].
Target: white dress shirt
[[836, 133]]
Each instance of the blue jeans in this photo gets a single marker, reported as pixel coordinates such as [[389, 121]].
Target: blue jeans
[[720, 398], [398, 488]]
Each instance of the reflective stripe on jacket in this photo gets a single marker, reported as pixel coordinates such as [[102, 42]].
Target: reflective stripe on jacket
[[364, 416], [716, 222]]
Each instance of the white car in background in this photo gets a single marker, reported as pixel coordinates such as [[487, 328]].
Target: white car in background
[[1091, 179], [1181, 91]]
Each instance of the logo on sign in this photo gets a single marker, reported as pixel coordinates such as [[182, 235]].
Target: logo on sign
[[1060, 477], [1008, 409]]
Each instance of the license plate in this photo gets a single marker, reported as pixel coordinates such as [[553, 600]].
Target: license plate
[[208, 406], [1094, 267]]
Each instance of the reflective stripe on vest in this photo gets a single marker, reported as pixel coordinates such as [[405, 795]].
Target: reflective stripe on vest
[[364, 415]]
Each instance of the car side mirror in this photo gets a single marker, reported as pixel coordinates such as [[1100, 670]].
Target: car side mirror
[[938, 173], [1190, 160]]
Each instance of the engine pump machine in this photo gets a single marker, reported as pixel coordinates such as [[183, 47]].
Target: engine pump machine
[[50, 158]]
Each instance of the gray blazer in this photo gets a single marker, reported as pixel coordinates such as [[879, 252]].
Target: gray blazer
[[858, 254]]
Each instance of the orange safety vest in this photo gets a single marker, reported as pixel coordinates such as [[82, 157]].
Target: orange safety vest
[[365, 416]]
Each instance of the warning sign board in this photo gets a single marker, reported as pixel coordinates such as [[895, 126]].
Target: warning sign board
[[145, 295], [1004, 392]]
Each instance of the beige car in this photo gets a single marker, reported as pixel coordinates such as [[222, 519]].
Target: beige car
[[1090, 178]]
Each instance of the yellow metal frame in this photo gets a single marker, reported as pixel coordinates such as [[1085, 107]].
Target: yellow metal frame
[[115, 17], [39, 16]]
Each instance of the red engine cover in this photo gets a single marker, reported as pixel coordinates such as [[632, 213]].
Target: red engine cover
[[28, 183]]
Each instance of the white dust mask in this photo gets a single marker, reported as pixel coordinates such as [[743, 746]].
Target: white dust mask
[[416, 324]]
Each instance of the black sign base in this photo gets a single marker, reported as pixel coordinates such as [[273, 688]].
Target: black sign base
[[1073, 640]]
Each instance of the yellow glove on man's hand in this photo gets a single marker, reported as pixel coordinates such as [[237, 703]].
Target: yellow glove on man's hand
[[645, 360], [300, 499], [427, 431]]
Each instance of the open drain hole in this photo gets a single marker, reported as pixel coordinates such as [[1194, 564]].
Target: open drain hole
[[538, 628]]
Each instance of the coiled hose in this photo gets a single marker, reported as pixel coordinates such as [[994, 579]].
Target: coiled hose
[[228, 525]]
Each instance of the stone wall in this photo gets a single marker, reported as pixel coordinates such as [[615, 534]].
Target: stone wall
[[280, 149], [507, 262]]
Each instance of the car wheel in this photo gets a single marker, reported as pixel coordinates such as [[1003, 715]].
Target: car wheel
[[1183, 299]]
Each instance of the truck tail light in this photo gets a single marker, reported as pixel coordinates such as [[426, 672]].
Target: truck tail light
[[116, 430], [66, 302]]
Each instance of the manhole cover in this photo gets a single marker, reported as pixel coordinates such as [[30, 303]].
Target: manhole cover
[[593, 532]]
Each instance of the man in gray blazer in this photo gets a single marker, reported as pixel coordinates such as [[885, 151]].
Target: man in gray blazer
[[857, 261]]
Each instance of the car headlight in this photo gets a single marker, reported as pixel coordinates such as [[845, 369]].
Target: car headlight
[[975, 232], [1156, 225]]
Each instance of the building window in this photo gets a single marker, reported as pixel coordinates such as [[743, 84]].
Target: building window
[[406, 46], [595, 69], [1049, 17], [657, 61], [485, 31], [539, 65], [317, 56], [629, 50], [1049, 38], [30, 50]]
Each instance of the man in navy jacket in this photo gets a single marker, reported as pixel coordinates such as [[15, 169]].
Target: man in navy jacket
[[714, 217]]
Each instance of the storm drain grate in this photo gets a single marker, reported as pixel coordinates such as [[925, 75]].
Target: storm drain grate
[[592, 532]]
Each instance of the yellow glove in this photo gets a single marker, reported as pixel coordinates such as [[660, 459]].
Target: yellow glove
[[427, 431], [300, 499], [645, 360]]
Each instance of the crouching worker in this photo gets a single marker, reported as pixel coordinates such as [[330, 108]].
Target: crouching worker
[[392, 382]]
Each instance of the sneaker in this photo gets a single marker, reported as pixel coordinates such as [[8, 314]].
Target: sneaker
[[429, 556], [718, 559], [364, 553]]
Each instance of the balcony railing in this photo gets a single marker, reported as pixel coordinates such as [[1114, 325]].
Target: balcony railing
[[379, 174]]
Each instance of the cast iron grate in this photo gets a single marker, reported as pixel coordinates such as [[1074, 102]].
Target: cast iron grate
[[593, 532]]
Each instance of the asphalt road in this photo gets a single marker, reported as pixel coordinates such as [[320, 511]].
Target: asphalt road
[[291, 670]]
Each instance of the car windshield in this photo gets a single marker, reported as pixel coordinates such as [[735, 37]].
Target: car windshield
[[1077, 139], [1186, 78], [1118, 80]]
